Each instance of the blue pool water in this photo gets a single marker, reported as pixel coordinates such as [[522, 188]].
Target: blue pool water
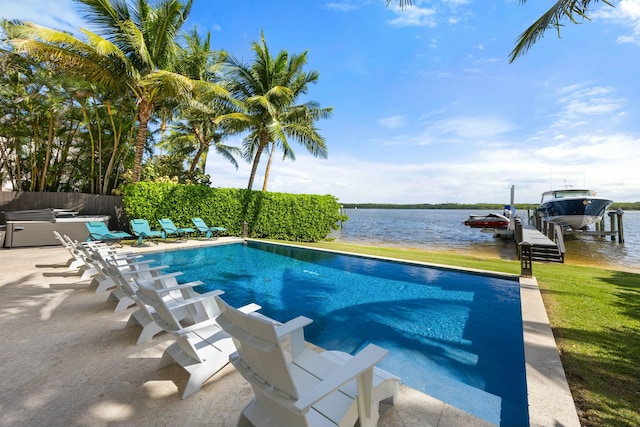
[[455, 336]]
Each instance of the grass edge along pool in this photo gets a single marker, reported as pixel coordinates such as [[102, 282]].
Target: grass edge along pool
[[452, 334]]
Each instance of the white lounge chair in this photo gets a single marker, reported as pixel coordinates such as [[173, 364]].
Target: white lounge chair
[[123, 275], [125, 294], [202, 348], [76, 261], [294, 386], [95, 253]]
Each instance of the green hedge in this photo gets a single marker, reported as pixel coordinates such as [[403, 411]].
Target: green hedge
[[295, 217]]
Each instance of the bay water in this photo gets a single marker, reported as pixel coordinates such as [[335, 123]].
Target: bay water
[[443, 230]]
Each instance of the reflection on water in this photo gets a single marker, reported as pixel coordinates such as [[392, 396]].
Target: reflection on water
[[443, 230]]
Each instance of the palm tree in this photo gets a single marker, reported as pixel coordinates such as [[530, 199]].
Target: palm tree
[[270, 88], [562, 9], [202, 126], [134, 52]]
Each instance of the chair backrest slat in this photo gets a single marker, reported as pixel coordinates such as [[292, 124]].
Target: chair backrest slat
[[162, 314], [259, 347]]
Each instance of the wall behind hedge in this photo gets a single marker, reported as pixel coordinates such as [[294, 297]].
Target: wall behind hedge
[[295, 217]]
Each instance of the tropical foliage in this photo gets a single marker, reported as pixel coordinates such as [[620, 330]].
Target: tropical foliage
[[270, 88], [59, 133], [572, 10], [302, 217], [136, 98]]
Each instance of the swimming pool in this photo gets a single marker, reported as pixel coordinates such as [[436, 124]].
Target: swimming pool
[[453, 335]]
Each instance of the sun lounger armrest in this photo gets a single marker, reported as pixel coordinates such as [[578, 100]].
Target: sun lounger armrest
[[185, 303], [180, 287], [356, 366], [165, 276], [127, 256], [292, 325], [194, 328], [249, 308], [144, 269], [210, 294], [125, 262]]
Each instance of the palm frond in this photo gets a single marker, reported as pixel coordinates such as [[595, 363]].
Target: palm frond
[[105, 15], [71, 54], [403, 3], [561, 9]]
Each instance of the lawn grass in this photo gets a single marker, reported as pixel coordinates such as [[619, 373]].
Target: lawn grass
[[595, 317]]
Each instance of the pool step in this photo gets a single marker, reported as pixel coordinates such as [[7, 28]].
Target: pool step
[[470, 399]]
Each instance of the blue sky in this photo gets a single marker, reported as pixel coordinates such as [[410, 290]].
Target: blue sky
[[427, 108]]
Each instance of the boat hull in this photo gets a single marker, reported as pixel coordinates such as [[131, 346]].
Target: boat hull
[[487, 221], [577, 213]]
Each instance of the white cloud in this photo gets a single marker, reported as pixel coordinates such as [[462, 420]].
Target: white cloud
[[414, 16], [578, 101], [341, 6], [471, 128], [625, 13], [58, 14], [393, 122], [477, 173]]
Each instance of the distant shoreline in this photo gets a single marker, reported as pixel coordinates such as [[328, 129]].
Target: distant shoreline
[[625, 206]]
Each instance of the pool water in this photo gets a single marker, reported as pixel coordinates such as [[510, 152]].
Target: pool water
[[455, 336]]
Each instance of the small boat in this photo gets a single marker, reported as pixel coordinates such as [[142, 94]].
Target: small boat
[[575, 208], [491, 220]]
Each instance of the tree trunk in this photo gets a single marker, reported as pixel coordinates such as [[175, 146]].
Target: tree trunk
[[99, 187], [33, 147], [93, 145], [117, 134], [202, 147], [7, 164], [266, 172], [145, 109], [264, 140], [47, 156]]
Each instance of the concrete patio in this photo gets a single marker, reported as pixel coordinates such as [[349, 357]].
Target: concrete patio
[[67, 360]]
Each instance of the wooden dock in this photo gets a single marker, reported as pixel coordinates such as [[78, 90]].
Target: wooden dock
[[541, 247], [547, 238]]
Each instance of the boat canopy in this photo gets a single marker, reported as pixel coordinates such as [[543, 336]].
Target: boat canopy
[[560, 194]]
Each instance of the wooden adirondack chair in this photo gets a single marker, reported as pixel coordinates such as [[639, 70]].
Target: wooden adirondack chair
[[94, 255], [125, 277], [201, 348], [294, 386], [86, 257]]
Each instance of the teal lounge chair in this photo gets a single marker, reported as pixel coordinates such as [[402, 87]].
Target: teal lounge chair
[[142, 230], [169, 229], [98, 231], [205, 229]]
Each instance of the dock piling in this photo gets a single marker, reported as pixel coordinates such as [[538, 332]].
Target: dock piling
[[619, 214], [612, 215]]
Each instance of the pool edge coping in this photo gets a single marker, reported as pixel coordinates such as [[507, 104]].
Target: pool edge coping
[[548, 393]]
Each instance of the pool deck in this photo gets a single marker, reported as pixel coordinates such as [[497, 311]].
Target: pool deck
[[66, 359]]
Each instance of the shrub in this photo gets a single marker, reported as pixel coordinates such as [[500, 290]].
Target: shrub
[[295, 217]]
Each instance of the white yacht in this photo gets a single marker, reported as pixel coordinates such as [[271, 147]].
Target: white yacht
[[575, 208]]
